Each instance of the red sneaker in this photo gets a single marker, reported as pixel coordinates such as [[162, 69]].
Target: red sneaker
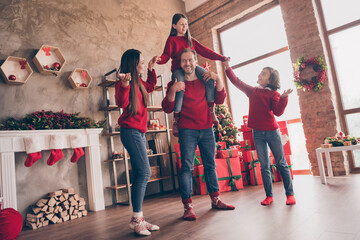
[[267, 201], [290, 200]]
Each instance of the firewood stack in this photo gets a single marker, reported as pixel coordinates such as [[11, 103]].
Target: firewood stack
[[56, 207]]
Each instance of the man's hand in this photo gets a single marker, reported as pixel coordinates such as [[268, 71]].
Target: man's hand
[[176, 87], [286, 93], [211, 75], [153, 61]]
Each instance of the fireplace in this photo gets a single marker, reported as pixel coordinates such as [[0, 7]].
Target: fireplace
[[13, 141]]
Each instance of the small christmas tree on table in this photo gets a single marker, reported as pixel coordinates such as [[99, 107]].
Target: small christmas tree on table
[[226, 131]]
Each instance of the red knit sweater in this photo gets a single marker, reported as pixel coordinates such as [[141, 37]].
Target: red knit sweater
[[139, 121], [195, 113], [176, 44], [263, 104]]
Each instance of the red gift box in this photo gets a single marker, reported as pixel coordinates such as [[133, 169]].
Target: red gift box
[[248, 135], [199, 184], [275, 173], [245, 145], [244, 171], [255, 170], [220, 145], [248, 156], [228, 153], [288, 160], [229, 174], [285, 140], [197, 157]]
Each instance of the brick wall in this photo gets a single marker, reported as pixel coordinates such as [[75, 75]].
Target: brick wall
[[318, 110]]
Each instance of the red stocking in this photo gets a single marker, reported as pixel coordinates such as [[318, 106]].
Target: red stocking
[[32, 158], [78, 152], [56, 155]]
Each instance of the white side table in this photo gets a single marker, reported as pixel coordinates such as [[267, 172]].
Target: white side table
[[327, 152]]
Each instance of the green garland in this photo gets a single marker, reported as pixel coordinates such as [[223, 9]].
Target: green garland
[[50, 120]]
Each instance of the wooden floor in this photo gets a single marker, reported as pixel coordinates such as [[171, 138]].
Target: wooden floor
[[323, 212]]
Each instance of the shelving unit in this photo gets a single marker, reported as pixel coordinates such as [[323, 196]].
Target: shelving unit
[[16, 70], [160, 158]]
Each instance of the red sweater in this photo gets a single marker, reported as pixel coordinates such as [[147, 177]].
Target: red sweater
[[176, 44], [263, 104], [139, 121], [195, 113]]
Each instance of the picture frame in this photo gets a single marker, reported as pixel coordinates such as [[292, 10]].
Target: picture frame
[[154, 123]]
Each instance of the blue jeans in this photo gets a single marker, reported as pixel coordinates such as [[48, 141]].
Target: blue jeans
[[209, 86], [189, 139], [135, 143], [262, 140]]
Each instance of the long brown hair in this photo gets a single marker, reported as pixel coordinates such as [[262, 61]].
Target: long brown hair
[[129, 61], [173, 31]]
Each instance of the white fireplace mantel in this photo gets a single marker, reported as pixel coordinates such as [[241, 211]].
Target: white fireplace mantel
[[13, 141]]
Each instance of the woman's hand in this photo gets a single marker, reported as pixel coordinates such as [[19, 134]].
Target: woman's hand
[[153, 61], [125, 79], [286, 93]]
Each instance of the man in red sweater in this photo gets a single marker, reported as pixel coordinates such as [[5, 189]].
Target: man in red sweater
[[195, 129]]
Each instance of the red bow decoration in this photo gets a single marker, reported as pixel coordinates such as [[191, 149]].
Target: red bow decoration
[[84, 74], [46, 50], [22, 64], [207, 66]]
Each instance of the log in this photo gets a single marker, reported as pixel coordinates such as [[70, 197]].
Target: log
[[69, 190]]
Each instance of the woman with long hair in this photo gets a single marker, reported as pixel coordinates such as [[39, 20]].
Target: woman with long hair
[[131, 93]]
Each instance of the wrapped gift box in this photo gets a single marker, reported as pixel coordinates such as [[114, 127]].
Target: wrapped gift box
[[255, 170], [220, 145], [288, 160], [228, 153], [248, 135], [244, 171], [285, 140], [229, 174], [245, 145], [275, 173], [197, 157], [199, 184], [248, 156]]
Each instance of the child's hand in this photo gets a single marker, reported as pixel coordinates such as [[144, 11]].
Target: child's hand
[[210, 75], [286, 93], [226, 63], [125, 78], [153, 61]]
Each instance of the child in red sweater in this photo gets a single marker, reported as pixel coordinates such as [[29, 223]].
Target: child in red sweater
[[178, 40], [131, 94], [264, 103]]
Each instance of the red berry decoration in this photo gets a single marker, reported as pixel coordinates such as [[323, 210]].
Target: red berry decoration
[[56, 66], [12, 77]]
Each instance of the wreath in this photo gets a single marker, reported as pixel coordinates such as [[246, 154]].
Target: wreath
[[316, 82]]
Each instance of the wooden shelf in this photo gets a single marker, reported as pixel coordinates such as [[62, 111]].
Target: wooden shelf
[[107, 83], [121, 186], [46, 58], [122, 159], [18, 67], [80, 78]]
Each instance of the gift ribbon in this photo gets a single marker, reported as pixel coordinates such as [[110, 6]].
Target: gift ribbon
[[253, 166], [194, 182], [47, 51], [247, 147], [231, 178], [247, 176], [273, 169], [197, 161], [22, 64]]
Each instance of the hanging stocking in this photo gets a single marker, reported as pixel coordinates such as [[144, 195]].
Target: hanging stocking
[[76, 144], [32, 148], [56, 144]]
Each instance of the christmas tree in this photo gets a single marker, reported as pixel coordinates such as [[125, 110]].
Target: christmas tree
[[226, 131]]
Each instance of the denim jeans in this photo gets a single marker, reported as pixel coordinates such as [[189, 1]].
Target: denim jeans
[[262, 140], [209, 86], [189, 139], [135, 143]]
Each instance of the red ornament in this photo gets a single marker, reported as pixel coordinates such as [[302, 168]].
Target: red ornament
[[220, 135], [82, 85], [56, 66], [222, 115], [12, 77], [231, 125]]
